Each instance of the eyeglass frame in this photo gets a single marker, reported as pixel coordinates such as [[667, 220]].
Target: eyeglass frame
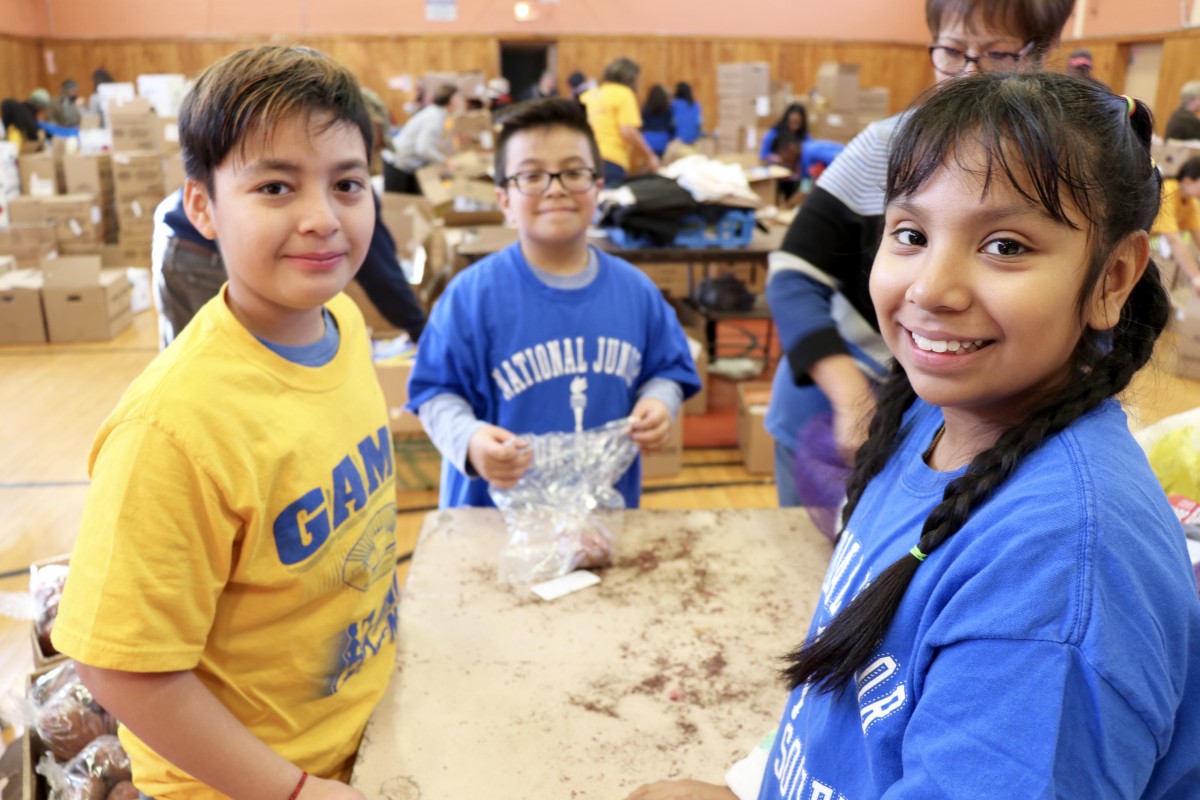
[[1017, 56], [550, 178]]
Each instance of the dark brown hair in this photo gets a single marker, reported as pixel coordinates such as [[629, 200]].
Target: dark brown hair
[[249, 92], [1037, 21], [549, 112]]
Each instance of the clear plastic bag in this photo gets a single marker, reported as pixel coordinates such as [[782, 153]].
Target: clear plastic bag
[[552, 513]]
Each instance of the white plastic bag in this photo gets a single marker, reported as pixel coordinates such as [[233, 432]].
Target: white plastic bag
[[556, 512]]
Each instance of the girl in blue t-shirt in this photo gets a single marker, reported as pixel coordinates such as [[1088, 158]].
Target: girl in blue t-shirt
[[1010, 609], [686, 115], [656, 120]]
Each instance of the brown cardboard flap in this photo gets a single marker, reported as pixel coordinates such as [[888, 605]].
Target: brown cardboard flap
[[72, 272]]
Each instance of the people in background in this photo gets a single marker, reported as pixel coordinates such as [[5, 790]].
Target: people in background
[[20, 118], [686, 115], [789, 145], [547, 292], [244, 483], [1010, 610], [1179, 216], [578, 83], [498, 94], [547, 86], [65, 111], [656, 120], [95, 103], [1079, 63], [1184, 122], [612, 111], [419, 142], [817, 282]]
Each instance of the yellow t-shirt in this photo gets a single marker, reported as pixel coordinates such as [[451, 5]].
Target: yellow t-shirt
[[610, 106], [1178, 211], [241, 524]]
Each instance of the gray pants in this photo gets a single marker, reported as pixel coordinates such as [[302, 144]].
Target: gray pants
[[186, 276]]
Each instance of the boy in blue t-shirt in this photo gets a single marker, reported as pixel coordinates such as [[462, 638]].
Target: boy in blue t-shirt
[[548, 334]]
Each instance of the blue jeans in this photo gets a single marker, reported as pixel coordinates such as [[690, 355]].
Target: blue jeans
[[785, 480], [614, 175]]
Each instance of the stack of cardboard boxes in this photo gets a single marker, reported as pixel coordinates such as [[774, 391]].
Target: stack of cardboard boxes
[[842, 108], [743, 97]]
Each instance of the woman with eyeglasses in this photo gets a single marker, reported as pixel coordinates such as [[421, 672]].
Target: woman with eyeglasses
[[817, 284]]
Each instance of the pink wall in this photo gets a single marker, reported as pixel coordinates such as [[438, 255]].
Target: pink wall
[[862, 20], [22, 18], [879, 20], [1123, 17]]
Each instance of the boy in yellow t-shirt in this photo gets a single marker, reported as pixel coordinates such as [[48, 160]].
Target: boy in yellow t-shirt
[[232, 596], [1180, 213]]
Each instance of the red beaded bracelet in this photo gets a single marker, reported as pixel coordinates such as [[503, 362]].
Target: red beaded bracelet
[[296, 792]]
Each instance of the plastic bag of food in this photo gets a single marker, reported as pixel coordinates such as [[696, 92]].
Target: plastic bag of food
[[65, 715], [821, 475], [555, 514]]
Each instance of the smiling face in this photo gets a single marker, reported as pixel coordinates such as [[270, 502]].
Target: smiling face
[[978, 296], [293, 215], [553, 226]]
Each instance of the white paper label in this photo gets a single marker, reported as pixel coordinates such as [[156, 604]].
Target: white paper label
[[571, 582], [76, 228], [136, 208]]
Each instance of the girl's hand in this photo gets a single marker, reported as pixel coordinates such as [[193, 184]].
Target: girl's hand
[[650, 424], [321, 789], [499, 456], [682, 790]]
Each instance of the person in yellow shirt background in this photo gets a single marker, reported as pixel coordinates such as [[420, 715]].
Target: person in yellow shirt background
[[1180, 214], [613, 113]]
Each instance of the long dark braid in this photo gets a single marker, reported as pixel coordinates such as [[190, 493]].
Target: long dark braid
[[1062, 135]]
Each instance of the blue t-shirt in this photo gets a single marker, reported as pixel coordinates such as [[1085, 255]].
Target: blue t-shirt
[[687, 119], [1050, 648], [533, 358]]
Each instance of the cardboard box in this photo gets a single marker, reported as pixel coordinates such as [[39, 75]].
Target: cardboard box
[[874, 103], [137, 173], [409, 218], [837, 126], [1171, 155], [75, 217], [472, 131], [667, 462], [838, 84], [39, 174], [672, 279], [757, 446], [460, 201], [84, 302], [135, 130], [698, 403], [10, 179], [747, 79], [417, 462], [29, 244], [22, 320], [7, 264], [173, 173], [393, 377]]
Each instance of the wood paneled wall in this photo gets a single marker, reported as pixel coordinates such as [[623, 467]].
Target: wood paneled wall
[[20, 66], [902, 68]]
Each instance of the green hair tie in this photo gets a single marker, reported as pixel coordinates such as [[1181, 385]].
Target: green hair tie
[[917, 554]]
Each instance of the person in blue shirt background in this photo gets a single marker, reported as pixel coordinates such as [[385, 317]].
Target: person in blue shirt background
[[657, 127], [687, 116], [789, 144]]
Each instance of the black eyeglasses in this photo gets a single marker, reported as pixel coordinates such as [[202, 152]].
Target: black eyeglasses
[[537, 182], [952, 61]]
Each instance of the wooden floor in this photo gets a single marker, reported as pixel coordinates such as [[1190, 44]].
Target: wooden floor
[[54, 398]]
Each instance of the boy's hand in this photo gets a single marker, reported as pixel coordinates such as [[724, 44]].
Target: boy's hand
[[650, 424], [499, 456], [321, 789], [682, 790]]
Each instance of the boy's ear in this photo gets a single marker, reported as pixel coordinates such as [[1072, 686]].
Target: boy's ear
[[502, 199], [198, 206], [1124, 269]]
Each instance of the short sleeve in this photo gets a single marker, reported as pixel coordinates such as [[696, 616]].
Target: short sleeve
[[153, 554]]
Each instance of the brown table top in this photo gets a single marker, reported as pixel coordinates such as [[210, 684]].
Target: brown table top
[[483, 240], [667, 668]]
